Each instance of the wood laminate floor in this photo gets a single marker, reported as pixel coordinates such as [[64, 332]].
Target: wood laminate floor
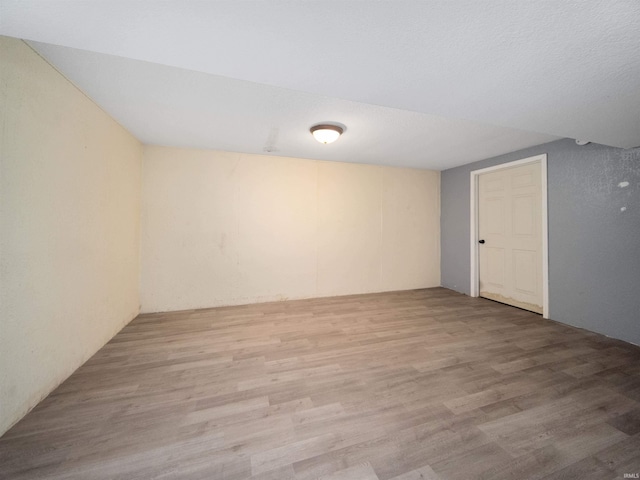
[[424, 384]]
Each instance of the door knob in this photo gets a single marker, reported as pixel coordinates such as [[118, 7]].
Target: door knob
[[480, 241]]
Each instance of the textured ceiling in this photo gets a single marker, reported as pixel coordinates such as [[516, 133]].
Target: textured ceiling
[[559, 68]]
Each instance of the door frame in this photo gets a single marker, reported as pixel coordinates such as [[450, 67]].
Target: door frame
[[475, 272]]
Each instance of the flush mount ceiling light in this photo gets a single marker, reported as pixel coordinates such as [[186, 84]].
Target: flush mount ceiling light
[[326, 133]]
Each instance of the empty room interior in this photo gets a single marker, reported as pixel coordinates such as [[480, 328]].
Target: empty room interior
[[319, 240]]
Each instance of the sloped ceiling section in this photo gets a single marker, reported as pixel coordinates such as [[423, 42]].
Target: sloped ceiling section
[[561, 69], [170, 106]]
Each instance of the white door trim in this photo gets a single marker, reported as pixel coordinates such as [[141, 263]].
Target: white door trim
[[475, 276]]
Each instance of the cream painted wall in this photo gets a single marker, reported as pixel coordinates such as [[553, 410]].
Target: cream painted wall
[[70, 180], [222, 228]]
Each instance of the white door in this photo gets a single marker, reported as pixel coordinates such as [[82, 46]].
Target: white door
[[510, 236]]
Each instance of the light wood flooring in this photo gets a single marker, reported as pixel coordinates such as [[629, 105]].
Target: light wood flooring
[[424, 384]]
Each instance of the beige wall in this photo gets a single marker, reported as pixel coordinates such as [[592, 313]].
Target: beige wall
[[217, 229], [69, 228], [223, 228]]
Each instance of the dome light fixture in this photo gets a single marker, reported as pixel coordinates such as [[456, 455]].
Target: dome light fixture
[[325, 133]]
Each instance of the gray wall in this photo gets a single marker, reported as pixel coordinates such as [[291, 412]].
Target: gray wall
[[594, 234]]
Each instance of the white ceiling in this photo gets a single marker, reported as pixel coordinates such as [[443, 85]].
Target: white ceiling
[[170, 106], [452, 81]]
